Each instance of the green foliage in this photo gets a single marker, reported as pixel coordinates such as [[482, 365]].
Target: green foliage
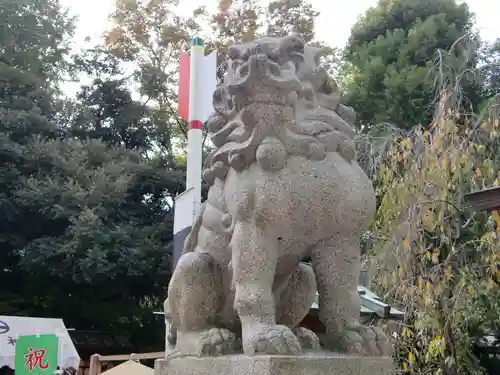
[[103, 223], [34, 37], [435, 256], [108, 112], [394, 15], [85, 201], [31, 47], [491, 68], [394, 55]]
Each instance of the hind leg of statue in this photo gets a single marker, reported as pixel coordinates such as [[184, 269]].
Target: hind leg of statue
[[295, 302], [195, 298], [336, 264], [254, 258]]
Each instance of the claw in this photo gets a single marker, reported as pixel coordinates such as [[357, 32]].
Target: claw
[[277, 340], [307, 338], [363, 340], [210, 342]]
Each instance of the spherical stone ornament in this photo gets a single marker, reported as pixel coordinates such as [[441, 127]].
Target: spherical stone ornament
[[271, 155]]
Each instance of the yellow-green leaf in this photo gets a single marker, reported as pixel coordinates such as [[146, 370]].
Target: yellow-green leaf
[[406, 244], [411, 358]]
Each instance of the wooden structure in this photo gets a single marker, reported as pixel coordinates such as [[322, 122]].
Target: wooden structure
[[487, 347], [484, 200]]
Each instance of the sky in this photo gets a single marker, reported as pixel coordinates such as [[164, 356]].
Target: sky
[[332, 26]]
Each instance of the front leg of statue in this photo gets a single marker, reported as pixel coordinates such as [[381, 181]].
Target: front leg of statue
[[254, 265]]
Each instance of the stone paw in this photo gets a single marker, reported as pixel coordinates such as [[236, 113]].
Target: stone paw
[[364, 340], [277, 340], [210, 342], [307, 338]]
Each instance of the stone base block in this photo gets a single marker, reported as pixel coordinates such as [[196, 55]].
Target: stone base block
[[307, 364]]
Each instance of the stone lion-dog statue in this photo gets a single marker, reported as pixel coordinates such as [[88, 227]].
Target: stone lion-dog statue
[[284, 185]]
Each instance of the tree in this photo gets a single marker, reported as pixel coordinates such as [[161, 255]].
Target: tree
[[99, 252], [491, 68], [241, 21], [148, 35], [433, 255], [291, 17], [245, 20], [33, 49], [394, 56], [35, 37], [86, 211], [109, 113]]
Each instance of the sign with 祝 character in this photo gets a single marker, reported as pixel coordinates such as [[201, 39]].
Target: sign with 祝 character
[[36, 355]]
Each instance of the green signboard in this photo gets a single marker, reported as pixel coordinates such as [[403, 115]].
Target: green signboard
[[36, 355]]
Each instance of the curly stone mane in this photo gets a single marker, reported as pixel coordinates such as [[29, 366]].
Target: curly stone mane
[[283, 75]]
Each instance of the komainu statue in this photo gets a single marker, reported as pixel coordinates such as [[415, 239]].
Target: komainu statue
[[284, 184]]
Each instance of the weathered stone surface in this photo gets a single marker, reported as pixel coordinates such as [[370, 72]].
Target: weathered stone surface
[[310, 364], [284, 184]]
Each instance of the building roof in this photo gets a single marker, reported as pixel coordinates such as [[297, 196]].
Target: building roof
[[371, 306], [90, 342]]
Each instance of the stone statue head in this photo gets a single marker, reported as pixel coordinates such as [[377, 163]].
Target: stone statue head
[[275, 91]]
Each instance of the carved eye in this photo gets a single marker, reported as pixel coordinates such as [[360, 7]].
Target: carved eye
[[326, 88]]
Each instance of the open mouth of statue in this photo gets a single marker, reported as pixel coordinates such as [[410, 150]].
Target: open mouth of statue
[[322, 131], [324, 123]]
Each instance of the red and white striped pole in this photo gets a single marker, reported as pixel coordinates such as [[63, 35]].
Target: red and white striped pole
[[197, 81], [195, 117]]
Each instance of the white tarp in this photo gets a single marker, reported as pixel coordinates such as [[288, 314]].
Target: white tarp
[[130, 368], [12, 327]]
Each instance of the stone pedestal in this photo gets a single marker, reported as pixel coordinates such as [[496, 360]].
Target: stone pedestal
[[308, 364]]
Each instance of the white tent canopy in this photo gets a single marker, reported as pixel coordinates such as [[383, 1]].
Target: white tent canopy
[[12, 327], [130, 368]]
